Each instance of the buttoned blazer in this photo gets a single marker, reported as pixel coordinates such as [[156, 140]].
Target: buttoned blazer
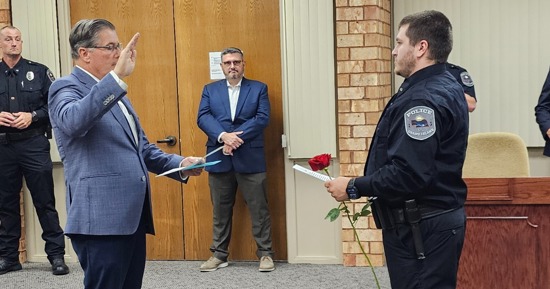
[[542, 113], [105, 170], [251, 117]]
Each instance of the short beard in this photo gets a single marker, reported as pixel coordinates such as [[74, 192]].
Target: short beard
[[408, 66]]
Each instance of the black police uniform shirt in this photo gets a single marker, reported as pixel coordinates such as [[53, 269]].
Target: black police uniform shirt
[[32, 81], [463, 78], [419, 145]]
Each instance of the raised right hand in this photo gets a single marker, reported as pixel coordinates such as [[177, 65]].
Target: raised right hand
[[127, 59]]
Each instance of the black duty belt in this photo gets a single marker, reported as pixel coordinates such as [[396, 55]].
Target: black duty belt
[[425, 212], [17, 136]]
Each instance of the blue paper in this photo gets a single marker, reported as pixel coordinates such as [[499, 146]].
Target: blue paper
[[190, 167]]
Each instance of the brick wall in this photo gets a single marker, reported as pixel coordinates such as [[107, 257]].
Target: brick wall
[[5, 19], [363, 43]]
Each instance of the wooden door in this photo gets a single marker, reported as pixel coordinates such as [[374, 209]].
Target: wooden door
[[153, 92], [165, 89], [210, 26]]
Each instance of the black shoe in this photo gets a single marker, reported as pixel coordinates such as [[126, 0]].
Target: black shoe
[[8, 266], [59, 267]]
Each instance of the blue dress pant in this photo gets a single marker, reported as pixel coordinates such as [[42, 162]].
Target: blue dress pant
[[114, 262]]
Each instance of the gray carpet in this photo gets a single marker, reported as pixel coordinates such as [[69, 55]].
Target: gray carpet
[[185, 274]]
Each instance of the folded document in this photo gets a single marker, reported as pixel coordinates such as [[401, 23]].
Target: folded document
[[190, 167], [318, 176], [312, 173]]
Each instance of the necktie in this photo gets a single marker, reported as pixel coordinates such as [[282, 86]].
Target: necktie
[[12, 90]]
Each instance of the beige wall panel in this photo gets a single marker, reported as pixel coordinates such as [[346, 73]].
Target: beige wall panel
[[309, 74], [310, 127]]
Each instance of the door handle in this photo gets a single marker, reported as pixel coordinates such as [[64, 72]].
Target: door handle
[[170, 140]]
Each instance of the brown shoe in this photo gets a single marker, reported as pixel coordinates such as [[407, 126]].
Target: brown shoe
[[266, 264], [213, 264]]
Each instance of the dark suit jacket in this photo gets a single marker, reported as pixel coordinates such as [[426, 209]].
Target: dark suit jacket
[[105, 171], [542, 113], [251, 117]]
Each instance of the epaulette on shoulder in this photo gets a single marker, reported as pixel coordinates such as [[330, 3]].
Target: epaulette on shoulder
[[34, 63], [454, 66]]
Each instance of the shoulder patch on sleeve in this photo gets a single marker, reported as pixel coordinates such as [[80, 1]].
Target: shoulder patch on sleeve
[[50, 75], [420, 122], [466, 79]]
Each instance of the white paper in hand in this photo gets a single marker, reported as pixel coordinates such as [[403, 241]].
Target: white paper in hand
[[316, 175]]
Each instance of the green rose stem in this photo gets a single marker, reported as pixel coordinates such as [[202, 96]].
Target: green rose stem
[[335, 212]]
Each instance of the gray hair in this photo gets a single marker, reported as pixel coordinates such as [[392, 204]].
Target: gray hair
[[85, 34], [9, 27], [231, 50]]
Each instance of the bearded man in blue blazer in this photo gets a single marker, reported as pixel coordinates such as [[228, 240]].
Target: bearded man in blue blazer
[[106, 158], [234, 113]]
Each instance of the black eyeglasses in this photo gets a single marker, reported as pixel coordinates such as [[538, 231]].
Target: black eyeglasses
[[234, 62], [111, 47]]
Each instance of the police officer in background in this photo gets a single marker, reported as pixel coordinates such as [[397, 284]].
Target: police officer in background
[[25, 152], [464, 78], [414, 165]]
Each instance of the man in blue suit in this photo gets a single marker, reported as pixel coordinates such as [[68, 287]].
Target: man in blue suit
[[542, 113], [106, 157], [234, 113]]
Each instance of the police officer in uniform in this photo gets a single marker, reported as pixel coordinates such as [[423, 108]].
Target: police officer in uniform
[[463, 77], [414, 167], [25, 152]]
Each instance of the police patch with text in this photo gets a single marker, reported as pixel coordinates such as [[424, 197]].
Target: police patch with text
[[420, 122]]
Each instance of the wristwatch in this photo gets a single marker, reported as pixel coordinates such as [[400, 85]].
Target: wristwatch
[[34, 116], [353, 192]]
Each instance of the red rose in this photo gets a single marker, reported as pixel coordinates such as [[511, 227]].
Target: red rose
[[319, 162]]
